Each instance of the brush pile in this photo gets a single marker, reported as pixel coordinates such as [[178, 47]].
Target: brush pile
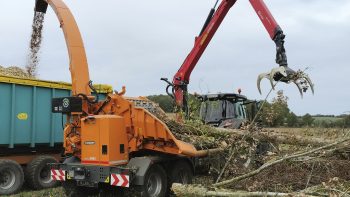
[[250, 148]]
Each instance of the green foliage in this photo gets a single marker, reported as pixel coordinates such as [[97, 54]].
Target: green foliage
[[165, 102], [346, 120], [194, 105], [331, 121], [277, 112], [292, 120], [307, 120]]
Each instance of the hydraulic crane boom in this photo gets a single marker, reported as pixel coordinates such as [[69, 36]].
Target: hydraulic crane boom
[[182, 77], [272, 28], [216, 16]]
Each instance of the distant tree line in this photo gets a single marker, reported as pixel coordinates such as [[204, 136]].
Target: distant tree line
[[278, 114], [273, 114], [165, 102]]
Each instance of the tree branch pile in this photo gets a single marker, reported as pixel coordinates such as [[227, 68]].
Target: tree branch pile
[[255, 159], [280, 175]]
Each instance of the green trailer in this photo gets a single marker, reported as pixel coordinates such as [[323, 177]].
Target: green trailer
[[30, 135]]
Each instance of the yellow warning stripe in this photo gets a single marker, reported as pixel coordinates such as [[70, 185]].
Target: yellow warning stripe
[[100, 88]]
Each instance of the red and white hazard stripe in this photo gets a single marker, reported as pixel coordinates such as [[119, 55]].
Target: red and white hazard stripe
[[120, 180], [58, 175]]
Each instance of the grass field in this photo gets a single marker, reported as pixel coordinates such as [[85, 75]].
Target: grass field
[[328, 120], [54, 192]]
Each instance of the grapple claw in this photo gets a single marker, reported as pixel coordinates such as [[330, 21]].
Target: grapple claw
[[299, 88], [260, 77], [275, 75], [287, 75]]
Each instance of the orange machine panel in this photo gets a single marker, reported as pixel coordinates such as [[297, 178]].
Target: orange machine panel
[[104, 140]]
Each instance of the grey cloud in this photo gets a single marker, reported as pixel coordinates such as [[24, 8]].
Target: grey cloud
[[134, 43]]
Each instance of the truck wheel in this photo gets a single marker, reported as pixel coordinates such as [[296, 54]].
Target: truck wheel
[[181, 172], [38, 173], [72, 190], [11, 177], [155, 183]]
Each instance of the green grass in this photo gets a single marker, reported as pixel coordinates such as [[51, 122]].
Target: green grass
[[53, 192], [330, 119]]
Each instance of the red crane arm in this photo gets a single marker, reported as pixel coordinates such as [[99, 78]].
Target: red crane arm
[[266, 17], [182, 77], [214, 20], [202, 41]]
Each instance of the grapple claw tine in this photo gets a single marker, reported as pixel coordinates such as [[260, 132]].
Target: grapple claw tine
[[299, 88], [260, 77], [271, 81], [307, 78]]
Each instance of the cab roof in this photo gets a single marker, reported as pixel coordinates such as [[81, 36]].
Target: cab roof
[[222, 96]]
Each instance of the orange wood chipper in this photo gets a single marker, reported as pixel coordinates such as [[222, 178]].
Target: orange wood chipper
[[112, 142]]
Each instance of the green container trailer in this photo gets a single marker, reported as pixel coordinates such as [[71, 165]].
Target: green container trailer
[[30, 134]]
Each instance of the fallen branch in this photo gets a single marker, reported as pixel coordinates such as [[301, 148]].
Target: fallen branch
[[199, 191], [272, 163]]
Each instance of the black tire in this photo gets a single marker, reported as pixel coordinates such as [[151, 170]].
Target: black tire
[[38, 173], [11, 177], [181, 172], [155, 183], [72, 190]]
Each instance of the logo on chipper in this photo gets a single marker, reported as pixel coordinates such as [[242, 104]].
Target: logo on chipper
[[65, 103], [89, 143]]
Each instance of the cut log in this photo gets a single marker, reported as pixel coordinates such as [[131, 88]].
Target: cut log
[[200, 191]]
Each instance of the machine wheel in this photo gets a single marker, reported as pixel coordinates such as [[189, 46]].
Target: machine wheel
[[155, 183], [38, 175], [11, 177], [181, 172], [72, 190]]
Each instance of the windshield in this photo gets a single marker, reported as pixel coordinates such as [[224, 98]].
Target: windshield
[[212, 111], [215, 111]]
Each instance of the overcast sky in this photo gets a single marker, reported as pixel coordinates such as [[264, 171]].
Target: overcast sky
[[135, 43]]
